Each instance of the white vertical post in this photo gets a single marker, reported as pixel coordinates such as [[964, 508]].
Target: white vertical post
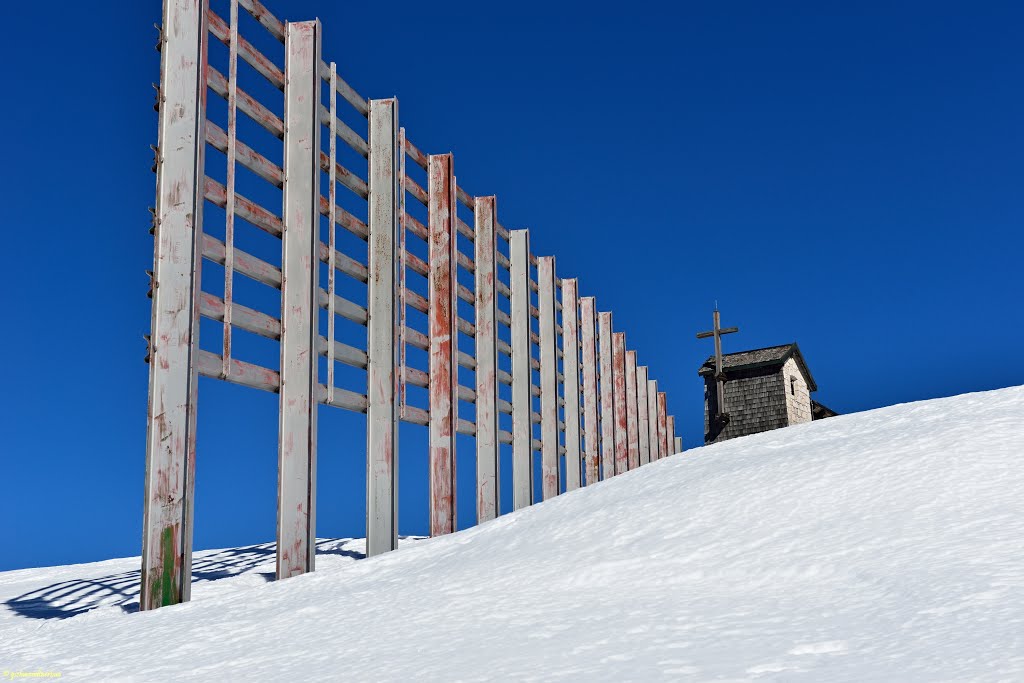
[[643, 419], [571, 372], [632, 421], [652, 419], [174, 327], [443, 342], [591, 424], [486, 309], [522, 424], [679, 444], [604, 323], [381, 415], [548, 376], [296, 483]]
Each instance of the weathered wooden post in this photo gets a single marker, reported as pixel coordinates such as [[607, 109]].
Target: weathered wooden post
[[332, 229], [621, 420], [571, 372], [672, 438], [485, 213], [632, 419], [643, 418], [548, 376], [231, 196], [591, 423], [604, 321], [403, 290], [662, 425], [522, 419], [382, 380], [652, 419], [443, 383], [296, 490], [174, 341]]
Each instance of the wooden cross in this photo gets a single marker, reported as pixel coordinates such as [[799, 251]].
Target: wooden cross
[[721, 417]]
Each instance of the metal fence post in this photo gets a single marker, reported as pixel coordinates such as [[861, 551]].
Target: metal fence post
[[296, 484], [571, 373], [443, 341], [619, 393], [548, 376], [662, 425], [403, 290], [174, 327], [604, 323], [381, 415], [671, 431], [522, 424], [231, 199], [642, 415], [485, 216], [591, 424], [652, 419], [332, 223], [632, 423]]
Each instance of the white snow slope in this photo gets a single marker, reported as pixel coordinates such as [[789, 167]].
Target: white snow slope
[[881, 546]]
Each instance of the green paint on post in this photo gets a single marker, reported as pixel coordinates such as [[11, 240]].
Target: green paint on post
[[165, 586]]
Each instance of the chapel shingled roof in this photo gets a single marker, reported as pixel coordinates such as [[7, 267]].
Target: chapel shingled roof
[[757, 358]]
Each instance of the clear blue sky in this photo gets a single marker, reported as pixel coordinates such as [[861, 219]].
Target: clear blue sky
[[847, 176]]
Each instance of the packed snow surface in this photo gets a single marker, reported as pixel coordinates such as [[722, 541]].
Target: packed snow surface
[[881, 546]]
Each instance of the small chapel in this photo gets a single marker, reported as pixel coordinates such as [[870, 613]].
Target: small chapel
[[764, 389], [755, 391]]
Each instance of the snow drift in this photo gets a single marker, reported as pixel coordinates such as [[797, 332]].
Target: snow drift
[[886, 545]]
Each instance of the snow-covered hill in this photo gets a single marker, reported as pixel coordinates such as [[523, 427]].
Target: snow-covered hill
[[881, 546]]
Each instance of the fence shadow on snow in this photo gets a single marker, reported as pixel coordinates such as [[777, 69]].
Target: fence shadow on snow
[[72, 597]]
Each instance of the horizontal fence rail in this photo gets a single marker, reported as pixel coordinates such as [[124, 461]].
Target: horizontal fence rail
[[382, 289]]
